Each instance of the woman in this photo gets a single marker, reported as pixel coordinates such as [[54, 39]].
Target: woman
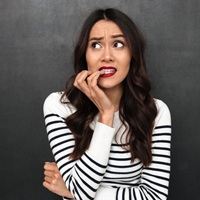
[[109, 137]]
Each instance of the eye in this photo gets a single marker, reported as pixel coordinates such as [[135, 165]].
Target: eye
[[96, 45], [118, 44]]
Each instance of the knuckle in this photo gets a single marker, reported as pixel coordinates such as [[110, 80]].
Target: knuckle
[[76, 85], [78, 81], [57, 175], [89, 78], [54, 181], [93, 86]]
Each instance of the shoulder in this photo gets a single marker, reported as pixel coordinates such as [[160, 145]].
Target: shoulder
[[161, 106], [163, 117], [54, 104], [53, 97]]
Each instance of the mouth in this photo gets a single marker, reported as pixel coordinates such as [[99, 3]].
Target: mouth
[[107, 71]]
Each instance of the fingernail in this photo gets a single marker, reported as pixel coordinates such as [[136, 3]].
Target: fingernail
[[102, 72]]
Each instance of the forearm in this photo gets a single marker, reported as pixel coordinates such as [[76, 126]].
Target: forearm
[[82, 177], [90, 169]]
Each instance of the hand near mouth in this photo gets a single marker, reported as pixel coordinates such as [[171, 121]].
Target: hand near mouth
[[86, 81]]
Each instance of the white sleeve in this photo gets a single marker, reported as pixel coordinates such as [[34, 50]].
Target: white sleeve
[[154, 181]]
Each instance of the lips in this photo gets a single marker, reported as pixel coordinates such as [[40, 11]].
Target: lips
[[107, 71]]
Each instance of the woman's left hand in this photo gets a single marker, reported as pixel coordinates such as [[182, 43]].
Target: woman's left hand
[[53, 180]]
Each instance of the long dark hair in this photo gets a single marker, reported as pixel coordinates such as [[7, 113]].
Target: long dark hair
[[137, 109]]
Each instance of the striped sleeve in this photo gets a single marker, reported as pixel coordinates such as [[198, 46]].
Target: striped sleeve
[[83, 176], [154, 180]]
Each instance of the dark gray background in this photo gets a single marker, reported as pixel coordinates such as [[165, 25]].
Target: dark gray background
[[36, 42]]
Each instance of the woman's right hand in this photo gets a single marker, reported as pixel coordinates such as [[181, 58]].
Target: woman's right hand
[[86, 81]]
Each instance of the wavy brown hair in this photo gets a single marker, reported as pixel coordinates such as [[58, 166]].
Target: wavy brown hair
[[137, 108]]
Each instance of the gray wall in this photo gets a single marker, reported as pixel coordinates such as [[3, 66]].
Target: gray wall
[[36, 42]]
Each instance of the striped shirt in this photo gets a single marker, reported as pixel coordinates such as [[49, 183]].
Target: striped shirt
[[105, 170]]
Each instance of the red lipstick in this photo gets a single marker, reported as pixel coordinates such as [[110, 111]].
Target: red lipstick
[[107, 71]]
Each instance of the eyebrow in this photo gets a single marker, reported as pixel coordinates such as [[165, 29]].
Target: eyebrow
[[113, 36]]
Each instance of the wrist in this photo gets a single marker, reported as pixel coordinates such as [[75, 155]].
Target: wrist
[[106, 118], [68, 195]]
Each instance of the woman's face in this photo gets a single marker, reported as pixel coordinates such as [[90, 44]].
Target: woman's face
[[107, 50]]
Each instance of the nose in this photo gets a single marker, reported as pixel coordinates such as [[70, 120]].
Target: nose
[[107, 54]]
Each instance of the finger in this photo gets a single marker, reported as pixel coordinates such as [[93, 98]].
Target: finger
[[58, 176], [93, 86], [81, 82], [46, 185], [81, 77], [50, 163], [82, 73], [50, 166], [48, 179], [49, 186], [49, 173], [56, 179], [93, 78]]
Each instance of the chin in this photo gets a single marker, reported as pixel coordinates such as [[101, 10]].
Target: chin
[[109, 86], [105, 86]]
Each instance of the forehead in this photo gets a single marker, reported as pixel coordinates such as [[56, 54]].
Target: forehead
[[103, 27]]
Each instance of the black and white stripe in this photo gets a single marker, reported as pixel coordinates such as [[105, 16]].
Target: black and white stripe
[[125, 179], [78, 175]]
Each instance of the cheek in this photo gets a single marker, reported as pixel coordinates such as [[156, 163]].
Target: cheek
[[125, 58], [126, 71], [92, 60], [127, 64]]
